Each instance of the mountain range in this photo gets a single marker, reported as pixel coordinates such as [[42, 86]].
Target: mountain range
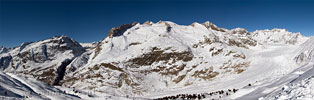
[[160, 60]]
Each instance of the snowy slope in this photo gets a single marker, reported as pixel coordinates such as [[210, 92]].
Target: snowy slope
[[306, 52], [297, 84], [266, 67], [302, 86], [17, 87]]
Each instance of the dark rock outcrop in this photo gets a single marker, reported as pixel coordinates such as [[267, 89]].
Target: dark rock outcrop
[[118, 31]]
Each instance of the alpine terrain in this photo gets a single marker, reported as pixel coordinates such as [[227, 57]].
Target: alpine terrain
[[163, 60]]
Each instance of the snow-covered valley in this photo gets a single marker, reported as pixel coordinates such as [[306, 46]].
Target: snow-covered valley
[[163, 60]]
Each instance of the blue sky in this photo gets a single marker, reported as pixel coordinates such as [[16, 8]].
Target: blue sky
[[90, 20]]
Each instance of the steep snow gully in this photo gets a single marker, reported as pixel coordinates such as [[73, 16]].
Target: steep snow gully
[[163, 60]]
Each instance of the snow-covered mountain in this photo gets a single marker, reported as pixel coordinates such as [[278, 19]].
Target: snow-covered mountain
[[281, 36], [3, 50], [44, 60], [159, 56], [153, 60]]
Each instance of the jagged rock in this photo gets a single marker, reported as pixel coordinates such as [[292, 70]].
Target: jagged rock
[[212, 26], [239, 31], [117, 31], [5, 62]]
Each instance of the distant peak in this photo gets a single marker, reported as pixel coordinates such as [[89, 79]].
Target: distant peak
[[279, 30], [207, 22], [25, 43], [168, 23], [148, 23], [273, 30], [60, 37], [3, 49], [239, 31], [63, 36], [212, 26]]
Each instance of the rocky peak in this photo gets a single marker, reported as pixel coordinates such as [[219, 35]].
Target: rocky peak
[[278, 36], [68, 42], [64, 39], [118, 31], [272, 31], [239, 31], [278, 30], [23, 45], [3, 50], [148, 23], [212, 26]]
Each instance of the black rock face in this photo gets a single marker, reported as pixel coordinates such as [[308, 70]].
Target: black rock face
[[4, 62], [61, 71]]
